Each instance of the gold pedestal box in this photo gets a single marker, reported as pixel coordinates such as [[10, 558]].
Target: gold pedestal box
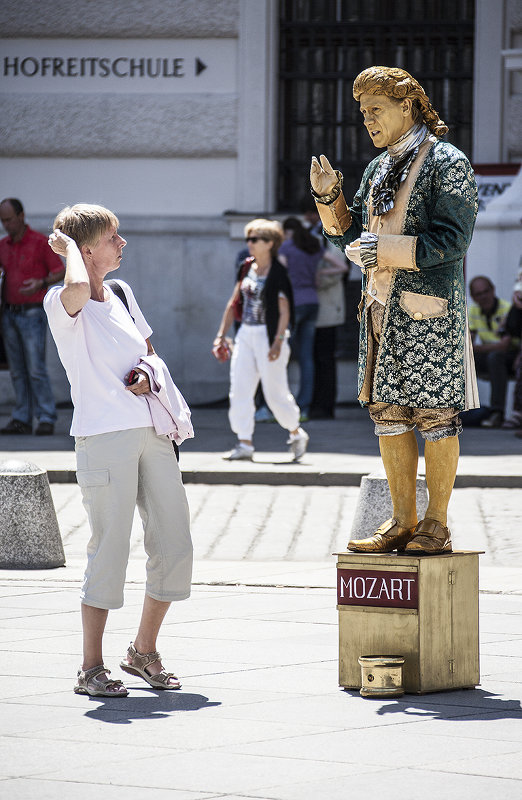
[[424, 608]]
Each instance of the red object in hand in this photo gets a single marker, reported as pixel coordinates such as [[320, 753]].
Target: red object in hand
[[222, 351], [132, 377]]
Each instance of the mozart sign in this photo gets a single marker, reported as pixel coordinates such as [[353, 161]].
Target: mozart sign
[[118, 65], [380, 588]]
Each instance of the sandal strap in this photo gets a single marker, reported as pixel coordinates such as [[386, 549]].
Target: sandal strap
[[88, 674], [164, 677], [142, 660], [109, 683], [431, 527], [91, 676]]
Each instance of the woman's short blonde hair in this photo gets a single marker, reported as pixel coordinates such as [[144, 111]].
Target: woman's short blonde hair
[[267, 229], [85, 223], [398, 84]]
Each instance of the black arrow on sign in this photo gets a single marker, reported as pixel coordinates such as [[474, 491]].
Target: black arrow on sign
[[200, 66]]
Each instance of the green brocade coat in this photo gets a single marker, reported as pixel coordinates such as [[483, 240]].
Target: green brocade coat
[[421, 363]]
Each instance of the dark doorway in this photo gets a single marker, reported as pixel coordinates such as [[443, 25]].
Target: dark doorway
[[324, 44]]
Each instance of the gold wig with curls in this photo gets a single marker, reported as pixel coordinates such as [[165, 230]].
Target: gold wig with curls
[[399, 84]]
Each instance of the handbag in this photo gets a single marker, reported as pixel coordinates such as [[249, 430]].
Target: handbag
[[237, 304]]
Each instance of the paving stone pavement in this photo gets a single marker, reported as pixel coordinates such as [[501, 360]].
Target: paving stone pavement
[[260, 714], [296, 523]]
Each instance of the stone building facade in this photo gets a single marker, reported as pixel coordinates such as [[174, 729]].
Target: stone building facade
[[162, 111], [166, 111]]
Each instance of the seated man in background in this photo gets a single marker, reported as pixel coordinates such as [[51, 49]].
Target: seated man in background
[[493, 347]]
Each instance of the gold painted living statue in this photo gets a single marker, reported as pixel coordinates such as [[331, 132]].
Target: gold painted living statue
[[408, 228]]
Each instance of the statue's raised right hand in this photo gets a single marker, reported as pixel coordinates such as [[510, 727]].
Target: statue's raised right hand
[[322, 176]]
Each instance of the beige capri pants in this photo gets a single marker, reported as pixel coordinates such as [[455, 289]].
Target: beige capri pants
[[117, 471]]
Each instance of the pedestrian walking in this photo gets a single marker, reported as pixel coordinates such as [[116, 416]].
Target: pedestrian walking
[[262, 299]]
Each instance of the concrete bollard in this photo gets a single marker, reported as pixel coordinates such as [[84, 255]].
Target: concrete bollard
[[29, 533], [374, 505]]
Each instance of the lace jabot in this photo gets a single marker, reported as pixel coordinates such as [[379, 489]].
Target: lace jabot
[[395, 166]]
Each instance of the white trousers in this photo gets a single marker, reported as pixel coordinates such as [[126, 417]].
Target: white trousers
[[248, 366], [117, 471]]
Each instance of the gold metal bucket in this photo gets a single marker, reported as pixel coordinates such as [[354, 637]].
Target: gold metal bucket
[[381, 676]]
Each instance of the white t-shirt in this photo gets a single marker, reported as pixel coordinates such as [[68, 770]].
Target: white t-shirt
[[97, 348]]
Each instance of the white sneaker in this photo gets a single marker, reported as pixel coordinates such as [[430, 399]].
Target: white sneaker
[[241, 452], [298, 443]]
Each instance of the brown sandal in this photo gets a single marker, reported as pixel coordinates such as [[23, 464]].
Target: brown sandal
[[89, 683], [138, 666]]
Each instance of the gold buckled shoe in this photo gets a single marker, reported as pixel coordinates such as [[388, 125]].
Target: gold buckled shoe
[[429, 538], [388, 537]]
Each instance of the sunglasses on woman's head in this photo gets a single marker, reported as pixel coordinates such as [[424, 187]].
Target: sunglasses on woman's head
[[255, 239]]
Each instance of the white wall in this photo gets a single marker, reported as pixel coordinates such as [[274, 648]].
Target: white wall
[[147, 187]]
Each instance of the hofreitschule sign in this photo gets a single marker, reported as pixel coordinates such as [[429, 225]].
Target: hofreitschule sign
[[381, 588], [92, 66], [118, 65]]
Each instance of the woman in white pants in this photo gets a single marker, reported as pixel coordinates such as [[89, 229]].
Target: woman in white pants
[[121, 460], [262, 300]]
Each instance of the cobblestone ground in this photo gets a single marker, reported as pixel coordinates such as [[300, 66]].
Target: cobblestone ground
[[294, 523]]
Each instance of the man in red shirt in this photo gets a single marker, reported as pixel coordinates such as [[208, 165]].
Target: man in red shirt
[[29, 267]]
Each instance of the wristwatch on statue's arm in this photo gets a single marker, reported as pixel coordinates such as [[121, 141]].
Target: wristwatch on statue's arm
[[326, 189]]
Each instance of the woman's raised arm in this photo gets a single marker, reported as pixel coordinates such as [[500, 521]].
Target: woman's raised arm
[[77, 287]]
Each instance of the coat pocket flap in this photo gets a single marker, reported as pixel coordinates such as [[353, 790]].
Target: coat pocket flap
[[92, 477], [423, 306]]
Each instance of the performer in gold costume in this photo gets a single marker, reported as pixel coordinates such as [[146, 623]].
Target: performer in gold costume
[[408, 228]]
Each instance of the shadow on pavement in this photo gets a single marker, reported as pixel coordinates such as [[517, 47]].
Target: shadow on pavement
[[480, 704], [155, 705]]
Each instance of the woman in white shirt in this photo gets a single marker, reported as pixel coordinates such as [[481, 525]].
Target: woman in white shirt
[[121, 460]]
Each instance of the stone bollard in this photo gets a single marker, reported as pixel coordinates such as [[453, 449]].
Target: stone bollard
[[374, 505], [29, 533]]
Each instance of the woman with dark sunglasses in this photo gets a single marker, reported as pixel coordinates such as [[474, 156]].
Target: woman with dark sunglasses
[[262, 300]]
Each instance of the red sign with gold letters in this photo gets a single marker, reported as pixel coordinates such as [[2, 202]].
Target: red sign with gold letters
[[381, 588]]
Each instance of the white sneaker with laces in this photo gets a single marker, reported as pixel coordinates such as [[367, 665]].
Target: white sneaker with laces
[[298, 443], [241, 452]]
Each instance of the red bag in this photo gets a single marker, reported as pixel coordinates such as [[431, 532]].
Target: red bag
[[237, 305]]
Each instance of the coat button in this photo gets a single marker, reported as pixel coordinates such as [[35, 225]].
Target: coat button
[[417, 315]]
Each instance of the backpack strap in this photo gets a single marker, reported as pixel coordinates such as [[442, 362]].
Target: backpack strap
[[119, 291]]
